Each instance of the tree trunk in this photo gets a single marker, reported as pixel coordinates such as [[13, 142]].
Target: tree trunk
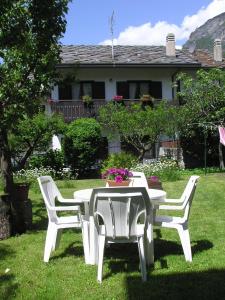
[[6, 166], [22, 162], [221, 161], [17, 220]]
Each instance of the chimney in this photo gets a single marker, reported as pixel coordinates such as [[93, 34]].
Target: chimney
[[217, 50], [170, 45]]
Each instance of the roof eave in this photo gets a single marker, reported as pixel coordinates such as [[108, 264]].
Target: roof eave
[[116, 65]]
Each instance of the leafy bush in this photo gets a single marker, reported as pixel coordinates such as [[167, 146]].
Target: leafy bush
[[165, 169], [81, 145], [53, 159], [119, 160]]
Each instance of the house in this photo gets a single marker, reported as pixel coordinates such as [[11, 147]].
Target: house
[[102, 72]]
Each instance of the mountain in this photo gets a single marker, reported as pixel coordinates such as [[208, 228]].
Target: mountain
[[203, 37]]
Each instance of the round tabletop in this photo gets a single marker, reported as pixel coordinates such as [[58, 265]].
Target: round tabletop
[[155, 195]]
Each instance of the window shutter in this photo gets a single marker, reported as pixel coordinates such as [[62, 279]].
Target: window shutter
[[65, 92], [98, 90], [123, 89], [156, 89]]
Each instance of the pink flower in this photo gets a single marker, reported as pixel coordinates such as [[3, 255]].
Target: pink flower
[[118, 178], [118, 98], [154, 178]]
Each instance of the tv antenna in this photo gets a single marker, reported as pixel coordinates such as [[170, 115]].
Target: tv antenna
[[112, 23]]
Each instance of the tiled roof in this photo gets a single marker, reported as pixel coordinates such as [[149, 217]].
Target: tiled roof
[[124, 55], [206, 59]]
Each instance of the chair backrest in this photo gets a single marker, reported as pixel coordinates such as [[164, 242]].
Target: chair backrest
[[50, 193], [120, 209], [188, 195], [139, 179]]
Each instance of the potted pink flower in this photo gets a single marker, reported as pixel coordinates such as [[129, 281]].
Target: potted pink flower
[[118, 99], [117, 177]]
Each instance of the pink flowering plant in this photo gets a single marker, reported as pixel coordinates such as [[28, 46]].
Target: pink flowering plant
[[118, 98], [118, 175]]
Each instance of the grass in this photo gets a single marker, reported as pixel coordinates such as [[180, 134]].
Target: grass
[[67, 277]]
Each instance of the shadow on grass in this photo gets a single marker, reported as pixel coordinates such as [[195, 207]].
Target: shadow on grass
[[74, 249], [6, 251], [125, 258], [7, 287], [207, 285], [164, 247]]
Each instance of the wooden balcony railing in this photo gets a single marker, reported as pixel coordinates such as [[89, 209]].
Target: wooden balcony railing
[[75, 109]]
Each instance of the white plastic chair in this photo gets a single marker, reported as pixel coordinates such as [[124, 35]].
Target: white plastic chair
[[120, 210], [56, 224], [180, 223], [139, 179]]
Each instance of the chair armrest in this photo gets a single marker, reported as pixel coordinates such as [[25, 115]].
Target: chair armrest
[[65, 208], [171, 207], [74, 201], [173, 200]]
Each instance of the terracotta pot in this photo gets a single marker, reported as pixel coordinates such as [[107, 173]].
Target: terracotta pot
[[152, 184], [114, 183], [22, 190]]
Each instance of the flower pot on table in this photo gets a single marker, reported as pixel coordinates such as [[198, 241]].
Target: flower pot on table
[[113, 183], [154, 183]]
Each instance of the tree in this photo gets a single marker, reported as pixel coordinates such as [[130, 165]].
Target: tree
[[33, 134], [29, 51], [203, 98], [139, 127]]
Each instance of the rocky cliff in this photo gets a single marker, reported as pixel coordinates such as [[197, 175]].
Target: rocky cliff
[[204, 36]]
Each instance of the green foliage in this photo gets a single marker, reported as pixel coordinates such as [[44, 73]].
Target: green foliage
[[53, 159], [203, 109], [119, 160], [30, 33], [81, 144], [34, 134], [137, 126], [203, 97], [29, 50]]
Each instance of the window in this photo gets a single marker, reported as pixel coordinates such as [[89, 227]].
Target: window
[[135, 89], [65, 92], [95, 89]]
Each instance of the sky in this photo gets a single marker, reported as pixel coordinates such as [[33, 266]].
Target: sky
[[136, 22]]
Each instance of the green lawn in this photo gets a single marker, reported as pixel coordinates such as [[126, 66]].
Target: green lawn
[[67, 277]]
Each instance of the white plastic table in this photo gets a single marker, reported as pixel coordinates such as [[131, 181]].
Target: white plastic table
[[156, 196]]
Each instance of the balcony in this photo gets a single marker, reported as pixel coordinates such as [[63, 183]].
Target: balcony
[[75, 109]]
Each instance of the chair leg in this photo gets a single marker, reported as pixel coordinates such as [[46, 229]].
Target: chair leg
[[101, 247], [50, 241], [85, 236], [149, 245], [57, 240], [141, 251], [185, 241]]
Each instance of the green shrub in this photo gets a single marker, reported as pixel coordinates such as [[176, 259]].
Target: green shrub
[[53, 159], [165, 169], [81, 145], [119, 160]]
